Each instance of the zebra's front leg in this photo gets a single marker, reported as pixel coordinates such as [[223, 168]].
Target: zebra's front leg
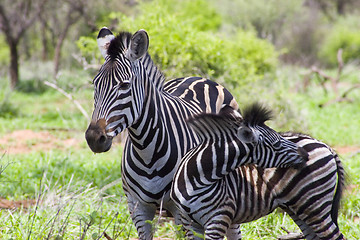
[[218, 226], [234, 232], [142, 215]]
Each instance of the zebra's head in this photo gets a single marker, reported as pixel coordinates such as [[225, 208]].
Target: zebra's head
[[116, 106], [270, 149]]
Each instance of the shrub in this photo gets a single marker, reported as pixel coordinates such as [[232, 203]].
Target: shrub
[[185, 40], [7, 109], [88, 48], [345, 35]]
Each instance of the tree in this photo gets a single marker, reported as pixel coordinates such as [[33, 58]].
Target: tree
[[16, 16], [60, 16]]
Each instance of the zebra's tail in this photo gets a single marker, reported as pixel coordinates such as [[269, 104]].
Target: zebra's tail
[[339, 189]]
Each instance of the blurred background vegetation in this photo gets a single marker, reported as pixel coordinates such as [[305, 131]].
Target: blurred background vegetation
[[282, 53], [260, 50]]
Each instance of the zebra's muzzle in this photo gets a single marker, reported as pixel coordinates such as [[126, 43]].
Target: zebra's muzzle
[[96, 137]]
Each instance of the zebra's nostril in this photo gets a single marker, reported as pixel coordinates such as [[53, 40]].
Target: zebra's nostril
[[102, 139], [97, 139]]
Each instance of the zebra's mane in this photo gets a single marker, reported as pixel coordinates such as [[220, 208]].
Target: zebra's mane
[[119, 44], [256, 114], [209, 124]]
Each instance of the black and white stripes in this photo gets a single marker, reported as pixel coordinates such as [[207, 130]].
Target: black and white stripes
[[216, 197], [130, 93]]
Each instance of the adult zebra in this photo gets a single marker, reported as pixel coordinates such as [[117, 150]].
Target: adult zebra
[[130, 93], [211, 202]]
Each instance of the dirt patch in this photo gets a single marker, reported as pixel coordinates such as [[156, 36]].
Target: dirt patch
[[26, 141], [7, 204], [344, 150]]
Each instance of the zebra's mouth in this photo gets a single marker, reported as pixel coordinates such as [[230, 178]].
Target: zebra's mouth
[[96, 137]]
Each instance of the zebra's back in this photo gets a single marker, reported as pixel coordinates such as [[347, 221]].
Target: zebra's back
[[206, 95]]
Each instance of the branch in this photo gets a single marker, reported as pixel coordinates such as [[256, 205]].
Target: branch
[[27, 21], [84, 63], [290, 235], [355, 86], [340, 68], [69, 96], [322, 74], [5, 25], [14, 22]]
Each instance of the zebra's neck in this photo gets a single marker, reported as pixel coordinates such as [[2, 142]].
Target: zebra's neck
[[154, 130], [153, 72]]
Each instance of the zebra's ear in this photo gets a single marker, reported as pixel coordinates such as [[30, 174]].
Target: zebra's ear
[[247, 135], [139, 45], [103, 39]]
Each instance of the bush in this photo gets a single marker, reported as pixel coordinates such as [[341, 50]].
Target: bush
[[267, 17], [184, 41], [89, 49], [345, 35], [7, 109]]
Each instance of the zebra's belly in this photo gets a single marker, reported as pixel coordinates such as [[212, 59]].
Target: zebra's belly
[[235, 196]]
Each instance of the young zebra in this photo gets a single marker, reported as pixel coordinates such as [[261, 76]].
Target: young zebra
[[212, 197], [131, 93]]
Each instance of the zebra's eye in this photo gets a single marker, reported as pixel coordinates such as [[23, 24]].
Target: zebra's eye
[[124, 85], [277, 144]]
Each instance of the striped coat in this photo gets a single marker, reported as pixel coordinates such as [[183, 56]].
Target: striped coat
[[310, 194]]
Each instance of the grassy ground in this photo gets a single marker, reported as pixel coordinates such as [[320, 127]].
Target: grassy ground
[[77, 195]]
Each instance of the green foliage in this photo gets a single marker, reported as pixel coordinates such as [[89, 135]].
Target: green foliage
[[7, 109], [267, 17], [345, 35], [88, 48], [183, 45], [183, 41]]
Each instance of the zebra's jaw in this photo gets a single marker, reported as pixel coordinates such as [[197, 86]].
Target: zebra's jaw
[[96, 137]]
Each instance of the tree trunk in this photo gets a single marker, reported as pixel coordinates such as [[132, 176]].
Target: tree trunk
[[340, 6], [14, 65], [58, 47], [58, 55], [44, 41]]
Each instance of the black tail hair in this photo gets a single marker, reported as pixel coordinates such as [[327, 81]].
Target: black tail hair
[[339, 189]]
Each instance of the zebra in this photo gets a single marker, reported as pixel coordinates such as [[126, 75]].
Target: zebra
[[130, 93], [215, 198]]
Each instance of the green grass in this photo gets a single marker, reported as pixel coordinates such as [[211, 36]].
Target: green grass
[[80, 194]]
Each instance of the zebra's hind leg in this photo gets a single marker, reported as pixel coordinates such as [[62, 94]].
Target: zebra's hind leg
[[307, 232], [324, 227], [234, 232], [317, 226], [142, 215], [192, 231]]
